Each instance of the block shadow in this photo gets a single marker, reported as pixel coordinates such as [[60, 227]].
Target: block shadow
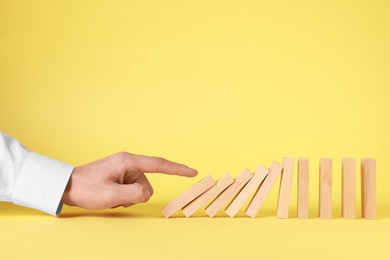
[[153, 211]]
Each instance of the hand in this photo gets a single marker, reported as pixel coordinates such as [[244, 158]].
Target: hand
[[117, 180]]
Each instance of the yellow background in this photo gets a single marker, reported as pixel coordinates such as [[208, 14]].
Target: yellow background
[[218, 85]]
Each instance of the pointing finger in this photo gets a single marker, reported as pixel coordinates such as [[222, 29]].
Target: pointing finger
[[151, 164]]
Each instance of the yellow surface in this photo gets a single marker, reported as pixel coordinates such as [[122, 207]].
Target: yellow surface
[[218, 85]]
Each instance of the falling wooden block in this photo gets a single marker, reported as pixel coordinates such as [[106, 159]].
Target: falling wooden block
[[368, 185], [259, 197], [303, 188], [325, 196], [348, 191], [188, 196], [285, 188], [235, 205], [211, 193], [228, 193]]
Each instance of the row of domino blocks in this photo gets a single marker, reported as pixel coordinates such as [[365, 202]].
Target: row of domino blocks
[[216, 194]]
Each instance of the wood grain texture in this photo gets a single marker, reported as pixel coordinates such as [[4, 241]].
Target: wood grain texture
[[210, 194], [325, 189], [285, 187], [235, 205], [368, 186], [348, 188], [259, 197], [229, 193], [188, 196], [303, 188]]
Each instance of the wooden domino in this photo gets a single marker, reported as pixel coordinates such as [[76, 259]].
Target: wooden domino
[[229, 193], [235, 205], [368, 186], [236, 192], [285, 187], [325, 194], [303, 188], [211, 193], [188, 196], [348, 190], [259, 197]]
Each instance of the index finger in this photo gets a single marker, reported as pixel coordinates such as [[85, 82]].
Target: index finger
[[153, 164]]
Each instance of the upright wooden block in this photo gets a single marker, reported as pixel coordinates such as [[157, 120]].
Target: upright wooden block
[[259, 197], [286, 179], [188, 196], [348, 191], [303, 188], [368, 185], [229, 193], [235, 205], [325, 196], [211, 193]]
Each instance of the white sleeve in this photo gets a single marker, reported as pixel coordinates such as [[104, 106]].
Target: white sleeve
[[30, 179]]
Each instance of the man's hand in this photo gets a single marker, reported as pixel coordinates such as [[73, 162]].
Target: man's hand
[[117, 180]]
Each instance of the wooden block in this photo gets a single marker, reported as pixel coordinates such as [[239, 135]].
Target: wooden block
[[235, 205], [229, 193], [348, 191], [188, 196], [285, 187], [368, 185], [325, 196], [303, 188], [259, 197], [211, 193]]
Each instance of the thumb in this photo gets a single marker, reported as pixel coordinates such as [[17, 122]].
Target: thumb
[[131, 193]]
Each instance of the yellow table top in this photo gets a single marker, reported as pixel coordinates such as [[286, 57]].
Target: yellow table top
[[142, 232]]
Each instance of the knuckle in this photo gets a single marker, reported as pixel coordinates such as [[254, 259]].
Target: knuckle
[[122, 155], [142, 193], [122, 158], [146, 199], [159, 162]]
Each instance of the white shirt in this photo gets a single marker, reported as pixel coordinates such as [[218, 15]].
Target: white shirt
[[30, 179]]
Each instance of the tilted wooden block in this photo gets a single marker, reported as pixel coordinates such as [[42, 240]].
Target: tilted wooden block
[[348, 191], [303, 188], [188, 196], [259, 197], [211, 193], [285, 187], [235, 205], [229, 193], [368, 182], [325, 196]]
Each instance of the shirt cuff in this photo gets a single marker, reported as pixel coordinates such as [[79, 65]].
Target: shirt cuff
[[41, 183]]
